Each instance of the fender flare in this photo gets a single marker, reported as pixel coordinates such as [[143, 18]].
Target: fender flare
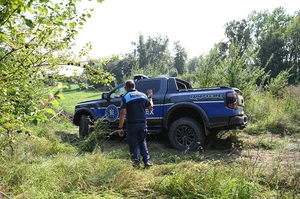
[[78, 114], [196, 107]]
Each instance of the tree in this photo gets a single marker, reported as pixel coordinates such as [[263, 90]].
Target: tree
[[193, 64], [153, 53], [240, 70], [180, 58], [205, 73], [239, 32], [35, 36], [272, 35], [269, 31], [231, 69], [293, 47], [121, 67]]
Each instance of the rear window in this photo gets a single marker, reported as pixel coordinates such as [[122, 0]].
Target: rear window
[[181, 84], [143, 86]]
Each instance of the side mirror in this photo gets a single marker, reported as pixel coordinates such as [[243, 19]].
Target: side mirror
[[105, 96]]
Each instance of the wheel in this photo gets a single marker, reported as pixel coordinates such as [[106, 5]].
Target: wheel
[[84, 129], [186, 134]]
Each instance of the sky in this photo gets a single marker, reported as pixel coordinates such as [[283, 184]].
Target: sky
[[197, 24]]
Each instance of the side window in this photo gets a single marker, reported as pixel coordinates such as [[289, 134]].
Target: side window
[[183, 84], [143, 86], [118, 92]]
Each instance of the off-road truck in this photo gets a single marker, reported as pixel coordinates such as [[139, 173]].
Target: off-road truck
[[185, 114]]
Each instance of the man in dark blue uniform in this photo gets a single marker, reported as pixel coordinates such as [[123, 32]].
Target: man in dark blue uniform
[[133, 108]]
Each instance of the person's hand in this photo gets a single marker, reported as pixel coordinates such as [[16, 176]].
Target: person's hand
[[121, 132], [149, 93]]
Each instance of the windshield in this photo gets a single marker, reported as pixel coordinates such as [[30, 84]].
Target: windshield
[[118, 92]]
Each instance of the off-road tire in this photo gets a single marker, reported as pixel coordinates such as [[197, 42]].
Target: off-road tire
[[84, 126], [186, 134]]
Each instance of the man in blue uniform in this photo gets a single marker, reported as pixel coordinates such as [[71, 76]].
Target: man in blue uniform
[[133, 108]]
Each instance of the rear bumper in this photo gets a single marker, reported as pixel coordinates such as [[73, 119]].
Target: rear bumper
[[239, 121]]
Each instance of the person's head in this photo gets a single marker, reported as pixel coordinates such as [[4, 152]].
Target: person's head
[[129, 85]]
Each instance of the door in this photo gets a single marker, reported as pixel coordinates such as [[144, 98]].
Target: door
[[154, 117]]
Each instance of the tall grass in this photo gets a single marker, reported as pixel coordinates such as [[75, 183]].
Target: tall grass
[[275, 114], [51, 164]]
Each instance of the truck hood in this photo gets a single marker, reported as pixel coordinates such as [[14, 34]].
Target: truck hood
[[90, 103]]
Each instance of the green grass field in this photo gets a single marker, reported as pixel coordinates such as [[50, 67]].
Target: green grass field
[[75, 95]]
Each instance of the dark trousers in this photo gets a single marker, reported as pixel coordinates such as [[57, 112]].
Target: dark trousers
[[136, 138]]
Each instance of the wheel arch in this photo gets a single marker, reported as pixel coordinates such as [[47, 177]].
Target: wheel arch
[[80, 112], [185, 109]]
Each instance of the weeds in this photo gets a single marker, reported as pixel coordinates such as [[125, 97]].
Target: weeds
[[274, 114], [47, 165]]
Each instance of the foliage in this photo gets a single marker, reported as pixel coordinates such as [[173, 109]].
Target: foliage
[[96, 76], [293, 41], [205, 74], [121, 67], [152, 54], [95, 140], [194, 63], [35, 37], [238, 70], [274, 35], [180, 58], [233, 69], [238, 32], [277, 86], [271, 113]]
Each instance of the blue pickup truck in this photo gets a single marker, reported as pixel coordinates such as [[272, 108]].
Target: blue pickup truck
[[185, 114]]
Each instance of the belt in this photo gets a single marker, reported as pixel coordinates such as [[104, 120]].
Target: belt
[[136, 122]]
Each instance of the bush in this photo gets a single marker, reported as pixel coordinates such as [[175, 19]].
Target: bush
[[269, 113]]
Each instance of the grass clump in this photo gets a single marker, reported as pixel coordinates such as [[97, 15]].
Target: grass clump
[[275, 114], [207, 180], [61, 176]]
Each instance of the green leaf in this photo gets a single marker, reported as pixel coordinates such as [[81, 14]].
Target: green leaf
[[3, 35], [41, 20], [42, 117], [45, 10], [35, 122], [50, 111], [14, 6], [61, 95], [40, 9], [29, 23], [54, 103], [72, 24]]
